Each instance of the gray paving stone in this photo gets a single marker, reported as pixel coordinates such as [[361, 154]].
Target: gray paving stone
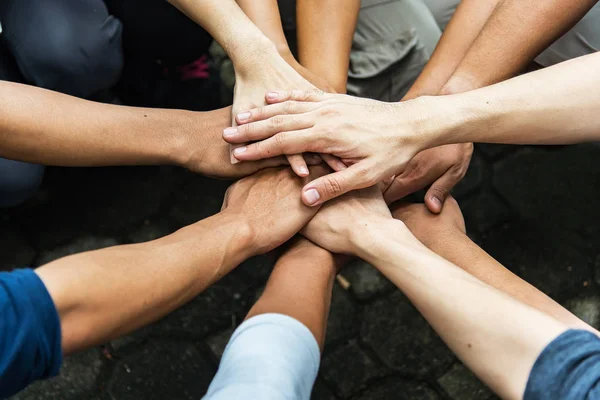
[[348, 369], [483, 211], [15, 250], [150, 229], [221, 306], [473, 179], [86, 243], [587, 308], [161, 370], [396, 389], [119, 198], [461, 384], [557, 187], [402, 338], [200, 198], [321, 392], [259, 268], [551, 260], [366, 281], [342, 322], [78, 380]]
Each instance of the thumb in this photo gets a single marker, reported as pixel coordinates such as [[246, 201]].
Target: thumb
[[438, 192], [336, 184], [296, 95]]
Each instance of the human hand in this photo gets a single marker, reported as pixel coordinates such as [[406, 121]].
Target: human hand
[[269, 204], [268, 70], [375, 139], [205, 152], [441, 167], [338, 222], [307, 74], [428, 227]]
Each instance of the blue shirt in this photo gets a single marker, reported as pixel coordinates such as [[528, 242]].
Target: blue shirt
[[30, 335], [567, 369], [269, 357]]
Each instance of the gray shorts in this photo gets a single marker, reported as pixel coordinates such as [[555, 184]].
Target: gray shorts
[[395, 38]]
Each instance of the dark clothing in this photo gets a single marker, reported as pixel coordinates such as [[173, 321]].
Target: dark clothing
[[30, 334], [567, 369], [72, 47], [18, 181], [155, 30]]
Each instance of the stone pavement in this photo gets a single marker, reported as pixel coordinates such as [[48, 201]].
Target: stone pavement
[[535, 210]]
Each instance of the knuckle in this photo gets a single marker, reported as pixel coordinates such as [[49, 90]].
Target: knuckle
[[333, 186], [289, 107], [276, 122], [280, 139], [298, 94], [258, 113], [438, 191]]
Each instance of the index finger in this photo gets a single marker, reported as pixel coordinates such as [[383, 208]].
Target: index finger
[[269, 111], [293, 142]]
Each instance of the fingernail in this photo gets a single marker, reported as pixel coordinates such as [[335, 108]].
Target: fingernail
[[272, 95], [239, 150], [229, 132], [304, 170], [243, 116], [311, 196], [436, 201]]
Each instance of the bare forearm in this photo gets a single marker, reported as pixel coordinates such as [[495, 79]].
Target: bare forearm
[[550, 106], [265, 15], [513, 36], [107, 293], [464, 27], [457, 248], [325, 31], [300, 286], [470, 316], [45, 127]]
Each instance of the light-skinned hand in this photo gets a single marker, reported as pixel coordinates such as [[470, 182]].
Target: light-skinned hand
[[366, 135], [252, 82], [338, 221]]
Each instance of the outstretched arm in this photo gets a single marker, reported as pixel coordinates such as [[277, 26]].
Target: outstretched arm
[[103, 294], [334, 20], [493, 40], [283, 332], [515, 33], [478, 322], [45, 127], [378, 140], [94, 297], [462, 30], [300, 287], [445, 235], [470, 316]]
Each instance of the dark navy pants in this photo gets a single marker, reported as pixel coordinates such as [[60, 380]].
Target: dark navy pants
[[68, 46]]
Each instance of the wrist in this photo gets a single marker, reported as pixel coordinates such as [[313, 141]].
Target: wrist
[[439, 120], [253, 55], [375, 238], [178, 134]]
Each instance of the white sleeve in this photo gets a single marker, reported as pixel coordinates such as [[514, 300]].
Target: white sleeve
[[270, 356]]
